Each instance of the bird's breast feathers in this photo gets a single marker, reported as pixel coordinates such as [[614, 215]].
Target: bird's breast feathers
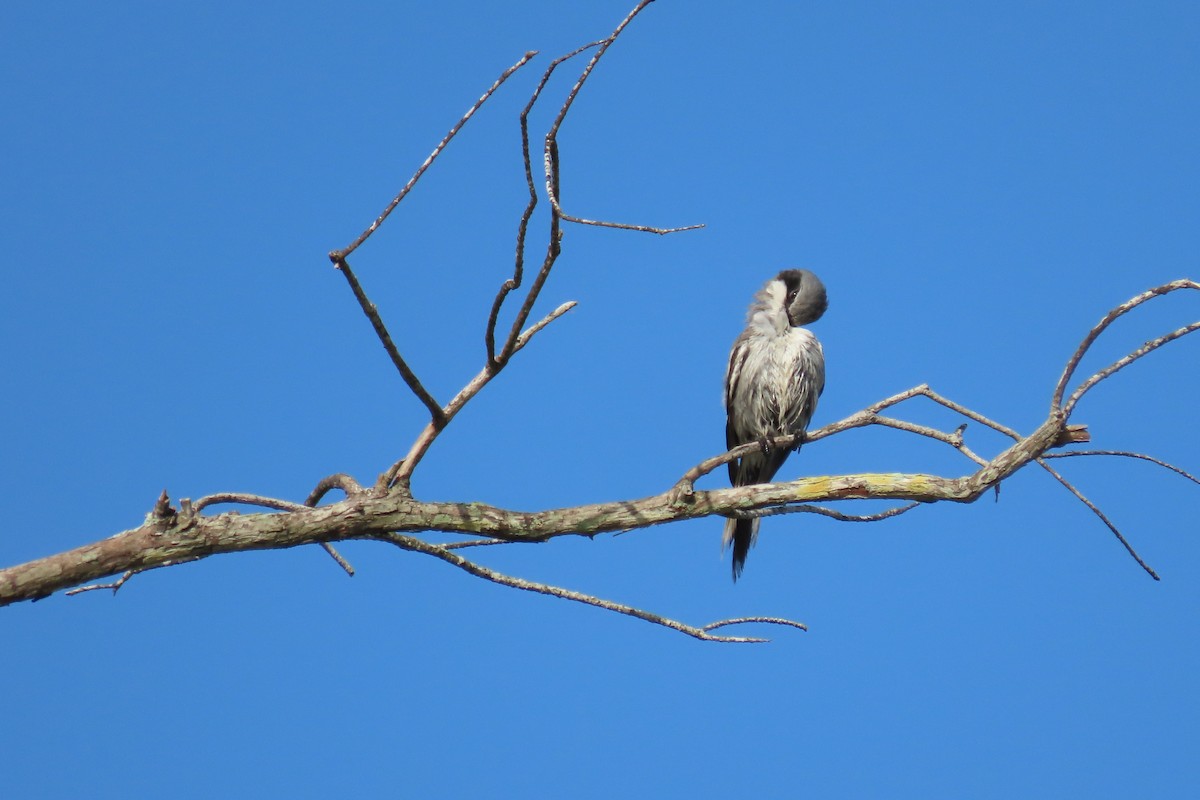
[[774, 382]]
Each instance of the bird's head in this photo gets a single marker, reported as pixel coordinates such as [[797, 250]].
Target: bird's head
[[804, 296]]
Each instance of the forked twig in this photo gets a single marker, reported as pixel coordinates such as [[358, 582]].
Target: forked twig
[[399, 473], [339, 257], [1121, 363], [125, 576], [1099, 328]]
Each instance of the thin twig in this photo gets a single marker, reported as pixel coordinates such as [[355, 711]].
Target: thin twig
[[350, 487], [479, 571], [924, 391], [712, 626], [1120, 537], [336, 556], [826, 512], [340, 255], [954, 439], [121, 581], [626, 226], [1126, 454], [474, 543], [385, 338], [115, 585], [242, 498]]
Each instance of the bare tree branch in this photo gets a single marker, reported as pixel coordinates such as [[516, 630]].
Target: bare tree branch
[[171, 536], [387, 512], [399, 474]]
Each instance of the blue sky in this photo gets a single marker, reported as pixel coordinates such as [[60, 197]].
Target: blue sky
[[976, 185]]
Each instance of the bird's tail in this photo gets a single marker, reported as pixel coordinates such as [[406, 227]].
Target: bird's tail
[[741, 533]]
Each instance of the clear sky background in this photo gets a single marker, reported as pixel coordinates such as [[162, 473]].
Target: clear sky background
[[977, 184]]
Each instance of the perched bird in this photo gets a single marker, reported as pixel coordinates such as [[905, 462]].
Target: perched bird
[[776, 373]]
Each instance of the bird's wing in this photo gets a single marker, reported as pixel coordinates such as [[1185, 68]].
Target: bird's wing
[[733, 374]]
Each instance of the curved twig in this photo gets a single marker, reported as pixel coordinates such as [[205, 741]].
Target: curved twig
[[712, 626], [242, 498], [807, 508], [479, 571], [1126, 454], [239, 498], [338, 480]]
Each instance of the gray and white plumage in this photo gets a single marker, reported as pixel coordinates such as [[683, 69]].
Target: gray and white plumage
[[776, 373]]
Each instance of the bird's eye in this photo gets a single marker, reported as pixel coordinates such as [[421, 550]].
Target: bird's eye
[[791, 296]]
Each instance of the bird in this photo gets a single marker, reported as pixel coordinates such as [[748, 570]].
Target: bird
[[775, 374]]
